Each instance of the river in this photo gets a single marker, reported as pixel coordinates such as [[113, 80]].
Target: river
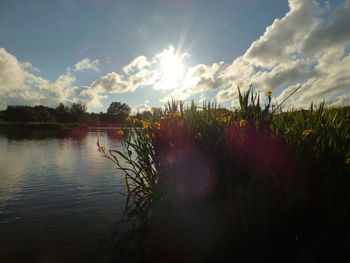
[[59, 198]]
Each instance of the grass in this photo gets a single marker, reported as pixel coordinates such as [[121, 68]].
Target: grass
[[205, 183]]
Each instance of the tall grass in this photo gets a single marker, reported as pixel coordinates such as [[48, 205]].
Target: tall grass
[[229, 183]]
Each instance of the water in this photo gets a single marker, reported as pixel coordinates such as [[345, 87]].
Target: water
[[59, 198]]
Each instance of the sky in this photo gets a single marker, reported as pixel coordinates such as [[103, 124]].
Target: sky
[[144, 53]]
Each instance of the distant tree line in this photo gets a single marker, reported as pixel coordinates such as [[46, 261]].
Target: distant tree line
[[75, 112]]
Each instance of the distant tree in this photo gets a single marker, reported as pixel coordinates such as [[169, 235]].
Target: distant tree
[[44, 113], [145, 115], [117, 108], [21, 113], [77, 112], [104, 117], [117, 112], [2, 116], [62, 113]]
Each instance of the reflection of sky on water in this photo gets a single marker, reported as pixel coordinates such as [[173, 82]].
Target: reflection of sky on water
[[52, 186], [11, 174]]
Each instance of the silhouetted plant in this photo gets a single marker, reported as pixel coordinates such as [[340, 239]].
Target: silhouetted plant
[[226, 183]]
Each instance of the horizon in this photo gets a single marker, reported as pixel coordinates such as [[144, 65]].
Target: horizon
[[95, 52]]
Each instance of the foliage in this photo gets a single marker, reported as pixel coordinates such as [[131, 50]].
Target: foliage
[[226, 183], [62, 113], [77, 112], [21, 113], [73, 113], [118, 107], [38, 125], [2, 117]]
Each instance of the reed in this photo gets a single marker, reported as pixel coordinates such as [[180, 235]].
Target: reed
[[273, 178]]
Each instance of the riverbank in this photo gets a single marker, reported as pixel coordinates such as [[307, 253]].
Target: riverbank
[[57, 125], [39, 125]]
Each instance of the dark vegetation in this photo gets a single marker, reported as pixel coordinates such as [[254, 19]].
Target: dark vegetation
[[47, 117], [252, 185]]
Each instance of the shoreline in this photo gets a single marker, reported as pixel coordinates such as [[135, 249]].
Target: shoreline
[[49, 125], [57, 125]]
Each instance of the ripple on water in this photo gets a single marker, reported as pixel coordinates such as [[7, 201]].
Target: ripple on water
[[58, 198]]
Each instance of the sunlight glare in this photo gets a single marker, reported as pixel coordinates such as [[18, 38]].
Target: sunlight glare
[[171, 68]]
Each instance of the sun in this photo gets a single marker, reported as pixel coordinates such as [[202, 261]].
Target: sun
[[171, 68]]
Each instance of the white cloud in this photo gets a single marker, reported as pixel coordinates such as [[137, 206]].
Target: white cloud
[[305, 46], [226, 94], [332, 83], [140, 108], [285, 35], [138, 63], [12, 75], [198, 79], [202, 98], [29, 66], [111, 83], [143, 78], [85, 64], [308, 45], [20, 86], [91, 98]]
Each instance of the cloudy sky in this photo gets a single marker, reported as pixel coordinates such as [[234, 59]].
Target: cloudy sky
[[145, 52]]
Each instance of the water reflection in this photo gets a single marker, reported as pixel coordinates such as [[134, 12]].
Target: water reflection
[[58, 197], [20, 133]]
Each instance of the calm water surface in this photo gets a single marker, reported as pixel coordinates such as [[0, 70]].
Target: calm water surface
[[59, 198]]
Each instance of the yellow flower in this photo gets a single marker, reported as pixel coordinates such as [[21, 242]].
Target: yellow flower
[[198, 136], [134, 120], [147, 135], [101, 148], [128, 118], [226, 119], [268, 93], [170, 159], [157, 125], [288, 130], [146, 125], [347, 160], [120, 132], [177, 114], [242, 123], [307, 132]]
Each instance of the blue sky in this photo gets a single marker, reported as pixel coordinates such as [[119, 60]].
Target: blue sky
[[79, 51]]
